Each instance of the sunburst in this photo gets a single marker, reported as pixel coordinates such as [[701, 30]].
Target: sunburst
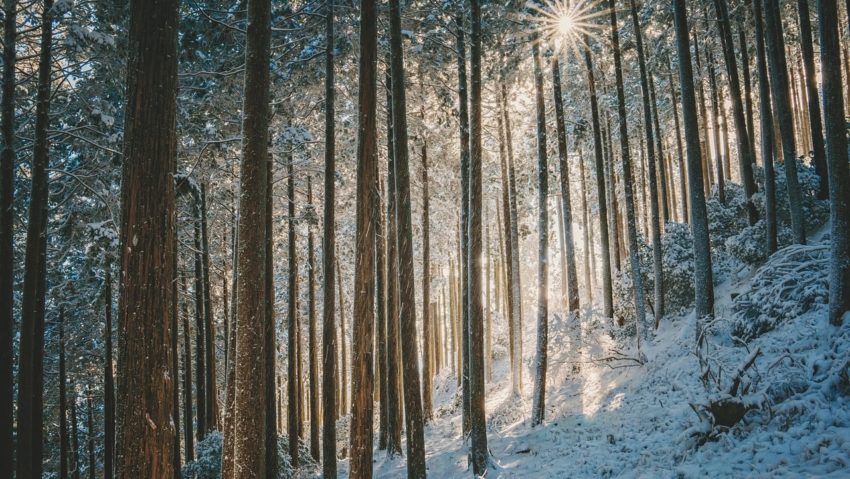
[[566, 25]]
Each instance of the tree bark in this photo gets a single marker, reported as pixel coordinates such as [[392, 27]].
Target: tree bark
[[144, 413], [817, 139], [269, 327], [766, 126], [200, 336], [250, 388], [63, 401], [211, 393], [293, 421], [92, 469], [407, 298], [108, 374], [782, 104], [836, 154], [313, 343], [189, 444], [427, 320], [30, 422]]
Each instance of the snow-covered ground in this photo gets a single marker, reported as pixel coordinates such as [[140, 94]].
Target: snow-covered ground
[[616, 418]]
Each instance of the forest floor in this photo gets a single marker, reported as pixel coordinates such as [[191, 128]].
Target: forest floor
[[616, 418]]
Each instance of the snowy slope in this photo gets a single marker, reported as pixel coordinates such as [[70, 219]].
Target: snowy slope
[[618, 419]]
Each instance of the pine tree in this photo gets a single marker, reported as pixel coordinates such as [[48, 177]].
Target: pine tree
[[147, 262], [766, 127]]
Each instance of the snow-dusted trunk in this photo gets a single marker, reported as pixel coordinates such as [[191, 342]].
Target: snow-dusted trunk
[[703, 286], [836, 151], [414, 426], [607, 295], [742, 134], [631, 230], [766, 127], [109, 375], [538, 406], [381, 315], [292, 319], [651, 163], [363, 320], [586, 226], [715, 128], [269, 329], [211, 392], [663, 186], [566, 203], [313, 339], [514, 286], [250, 427], [63, 401], [477, 379], [188, 434], [811, 96], [683, 189], [427, 319], [782, 103]]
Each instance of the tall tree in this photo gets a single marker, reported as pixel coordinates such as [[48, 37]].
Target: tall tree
[[601, 194], [566, 203], [249, 400], [766, 127], [108, 374], [147, 229], [703, 285], [364, 280], [63, 400], [188, 434], [293, 419], [742, 134], [813, 100], [7, 218], [477, 376], [313, 341], [200, 326], [538, 406], [631, 230], [779, 83], [211, 392], [407, 296], [652, 162], [329, 365], [30, 421], [427, 320], [269, 328], [836, 151]]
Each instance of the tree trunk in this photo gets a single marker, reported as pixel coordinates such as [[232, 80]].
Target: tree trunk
[[703, 286], [394, 412], [607, 295], [477, 378], [652, 161], [715, 129], [144, 411], [407, 298], [200, 336], [250, 428], [637, 280], [782, 104], [538, 407], [683, 190], [345, 359], [836, 151], [748, 88], [509, 251], [108, 374], [75, 443], [362, 374], [63, 401], [7, 219], [313, 344], [427, 320], [293, 421], [211, 393], [269, 327], [329, 364], [566, 203], [381, 316], [742, 134], [514, 281], [30, 420], [817, 140], [175, 354], [463, 264], [663, 186], [766, 126], [92, 469], [189, 447]]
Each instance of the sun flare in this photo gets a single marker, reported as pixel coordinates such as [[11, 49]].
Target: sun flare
[[567, 24]]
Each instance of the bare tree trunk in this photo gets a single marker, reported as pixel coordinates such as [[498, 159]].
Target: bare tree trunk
[[381, 316], [766, 126], [816, 133], [92, 469], [715, 129], [250, 427], [683, 190], [607, 291], [30, 422], [175, 355], [211, 393], [269, 326], [782, 104], [329, 364], [200, 336], [293, 357], [362, 375], [407, 298], [7, 219], [189, 445], [108, 374], [427, 320], [836, 151], [313, 346], [538, 407], [75, 443], [63, 401], [144, 413]]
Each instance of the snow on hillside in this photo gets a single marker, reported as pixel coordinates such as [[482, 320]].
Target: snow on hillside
[[608, 416]]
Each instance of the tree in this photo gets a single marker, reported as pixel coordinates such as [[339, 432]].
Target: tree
[[364, 280], [211, 392], [651, 159], [406, 297], [63, 401], [813, 100], [293, 419], [269, 328], [147, 230], [631, 230], [188, 435], [108, 374], [7, 218], [782, 106], [538, 406], [427, 320], [766, 127], [836, 154], [200, 326], [566, 203], [30, 423], [329, 366], [703, 283], [313, 342], [477, 377], [249, 401]]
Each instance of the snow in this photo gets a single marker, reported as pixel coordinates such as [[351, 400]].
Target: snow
[[608, 416]]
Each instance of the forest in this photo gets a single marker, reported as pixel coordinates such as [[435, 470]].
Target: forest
[[246, 239]]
